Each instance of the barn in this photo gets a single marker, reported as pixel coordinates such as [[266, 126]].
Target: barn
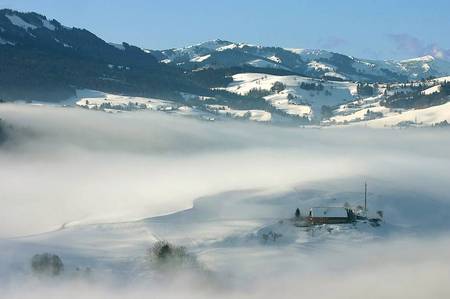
[[329, 215]]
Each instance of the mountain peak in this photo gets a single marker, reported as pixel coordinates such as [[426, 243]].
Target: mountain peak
[[212, 44], [27, 20]]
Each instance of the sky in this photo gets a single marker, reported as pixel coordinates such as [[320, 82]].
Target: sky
[[378, 29]]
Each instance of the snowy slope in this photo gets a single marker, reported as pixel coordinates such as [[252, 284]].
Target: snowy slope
[[252, 114], [96, 100], [103, 101], [294, 99], [371, 111], [427, 65], [234, 228], [416, 117]]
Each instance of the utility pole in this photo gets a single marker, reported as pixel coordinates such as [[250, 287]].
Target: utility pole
[[365, 198]]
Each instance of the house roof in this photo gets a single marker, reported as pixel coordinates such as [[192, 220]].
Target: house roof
[[329, 212]]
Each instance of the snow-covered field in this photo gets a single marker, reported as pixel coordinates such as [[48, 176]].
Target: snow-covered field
[[371, 112], [100, 189], [293, 99], [255, 115], [109, 102], [298, 99], [95, 100], [418, 117]]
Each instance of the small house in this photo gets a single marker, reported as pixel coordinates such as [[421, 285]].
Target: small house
[[330, 215]]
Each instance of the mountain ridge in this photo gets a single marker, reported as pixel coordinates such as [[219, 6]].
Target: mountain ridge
[[43, 60], [314, 63], [46, 60]]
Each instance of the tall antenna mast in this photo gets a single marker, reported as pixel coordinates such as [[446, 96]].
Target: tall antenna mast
[[365, 198]]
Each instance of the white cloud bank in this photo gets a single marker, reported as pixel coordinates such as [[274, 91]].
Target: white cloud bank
[[64, 165], [70, 165]]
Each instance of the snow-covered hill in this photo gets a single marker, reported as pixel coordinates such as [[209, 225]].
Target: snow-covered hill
[[300, 96], [420, 103], [313, 63], [96, 100], [424, 103], [47, 61]]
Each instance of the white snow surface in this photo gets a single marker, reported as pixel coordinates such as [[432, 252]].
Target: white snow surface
[[118, 46], [335, 75], [92, 99], [18, 21], [418, 117], [320, 66], [362, 112], [306, 103], [46, 23], [254, 115], [96, 100], [200, 58], [64, 44], [431, 90], [426, 58], [227, 47], [390, 117], [274, 59], [264, 63], [6, 42], [310, 54]]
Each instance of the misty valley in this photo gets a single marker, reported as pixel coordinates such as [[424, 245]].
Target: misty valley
[[218, 170]]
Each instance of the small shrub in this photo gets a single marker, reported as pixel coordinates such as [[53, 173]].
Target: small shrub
[[2, 131], [312, 86], [257, 93], [369, 115], [442, 124], [365, 89], [47, 264], [326, 111], [168, 255], [271, 236], [278, 87], [290, 96]]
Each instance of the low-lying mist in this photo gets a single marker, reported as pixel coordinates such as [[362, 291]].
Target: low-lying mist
[[406, 268], [68, 165], [64, 166]]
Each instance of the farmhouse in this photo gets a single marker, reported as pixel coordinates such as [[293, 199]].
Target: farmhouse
[[330, 215]]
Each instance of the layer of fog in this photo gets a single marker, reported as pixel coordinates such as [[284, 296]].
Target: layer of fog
[[67, 165], [406, 268]]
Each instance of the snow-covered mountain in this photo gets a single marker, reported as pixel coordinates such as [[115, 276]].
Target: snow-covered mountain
[[43, 60], [313, 63]]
